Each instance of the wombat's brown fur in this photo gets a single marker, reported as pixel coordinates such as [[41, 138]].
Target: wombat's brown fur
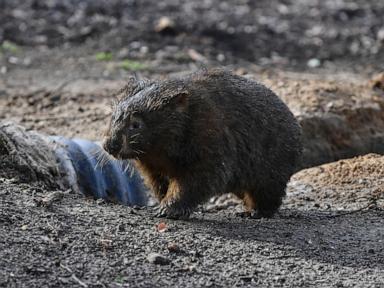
[[206, 134]]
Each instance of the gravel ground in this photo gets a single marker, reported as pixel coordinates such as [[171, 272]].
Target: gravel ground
[[79, 242]]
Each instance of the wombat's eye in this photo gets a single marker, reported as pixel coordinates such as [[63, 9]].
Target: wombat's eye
[[135, 124]]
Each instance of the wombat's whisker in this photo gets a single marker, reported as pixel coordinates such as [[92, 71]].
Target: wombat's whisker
[[95, 151], [138, 151], [97, 163], [135, 135], [93, 155], [100, 160], [125, 169], [129, 167], [120, 163]]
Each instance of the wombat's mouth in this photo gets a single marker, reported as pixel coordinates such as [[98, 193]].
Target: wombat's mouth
[[125, 154], [119, 150], [120, 155]]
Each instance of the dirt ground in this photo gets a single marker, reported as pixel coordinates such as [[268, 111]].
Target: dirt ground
[[61, 60], [82, 242]]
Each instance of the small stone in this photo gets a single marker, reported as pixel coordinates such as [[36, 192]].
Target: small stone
[[156, 258], [165, 25], [13, 60], [240, 71], [313, 63], [220, 57], [380, 34], [144, 50], [123, 53], [196, 56], [173, 248], [161, 227], [246, 278], [100, 201], [377, 81], [194, 253], [191, 268], [27, 61]]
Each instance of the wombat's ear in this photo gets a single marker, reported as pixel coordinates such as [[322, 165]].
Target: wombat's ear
[[180, 100], [132, 86]]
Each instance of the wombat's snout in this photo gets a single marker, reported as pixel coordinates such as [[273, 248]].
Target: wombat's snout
[[112, 146]]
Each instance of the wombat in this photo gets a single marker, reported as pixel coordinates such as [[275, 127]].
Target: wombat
[[209, 133]]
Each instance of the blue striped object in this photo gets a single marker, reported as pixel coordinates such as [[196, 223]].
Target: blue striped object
[[108, 181]]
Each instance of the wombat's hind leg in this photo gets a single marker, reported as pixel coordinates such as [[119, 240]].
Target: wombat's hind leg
[[250, 205], [263, 202], [269, 199]]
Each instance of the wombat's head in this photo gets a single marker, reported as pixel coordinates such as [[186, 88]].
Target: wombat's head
[[147, 119]]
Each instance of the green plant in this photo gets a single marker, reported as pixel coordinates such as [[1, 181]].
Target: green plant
[[9, 46], [104, 56], [119, 279], [132, 65]]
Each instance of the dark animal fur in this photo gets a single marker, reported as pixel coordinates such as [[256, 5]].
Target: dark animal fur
[[209, 133]]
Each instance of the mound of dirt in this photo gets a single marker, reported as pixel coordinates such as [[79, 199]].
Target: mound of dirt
[[344, 172], [350, 184]]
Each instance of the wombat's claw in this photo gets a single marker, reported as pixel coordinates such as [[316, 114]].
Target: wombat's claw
[[161, 211], [243, 214], [172, 212], [254, 214]]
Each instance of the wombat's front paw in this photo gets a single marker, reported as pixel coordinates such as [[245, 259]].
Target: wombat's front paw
[[173, 211]]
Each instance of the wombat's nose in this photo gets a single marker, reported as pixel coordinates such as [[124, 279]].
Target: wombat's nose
[[112, 147]]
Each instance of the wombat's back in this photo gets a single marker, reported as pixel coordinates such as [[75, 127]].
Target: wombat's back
[[246, 126]]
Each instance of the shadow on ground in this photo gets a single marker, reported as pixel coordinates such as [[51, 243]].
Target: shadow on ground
[[354, 239]]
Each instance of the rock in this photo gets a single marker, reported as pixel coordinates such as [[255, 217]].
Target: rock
[[156, 258], [161, 227], [377, 81], [28, 153], [196, 56], [313, 63], [13, 60], [165, 25], [220, 57], [173, 248]]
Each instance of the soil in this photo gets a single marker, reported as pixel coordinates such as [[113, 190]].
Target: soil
[[350, 184], [82, 242], [54, 80], [278, 33]]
